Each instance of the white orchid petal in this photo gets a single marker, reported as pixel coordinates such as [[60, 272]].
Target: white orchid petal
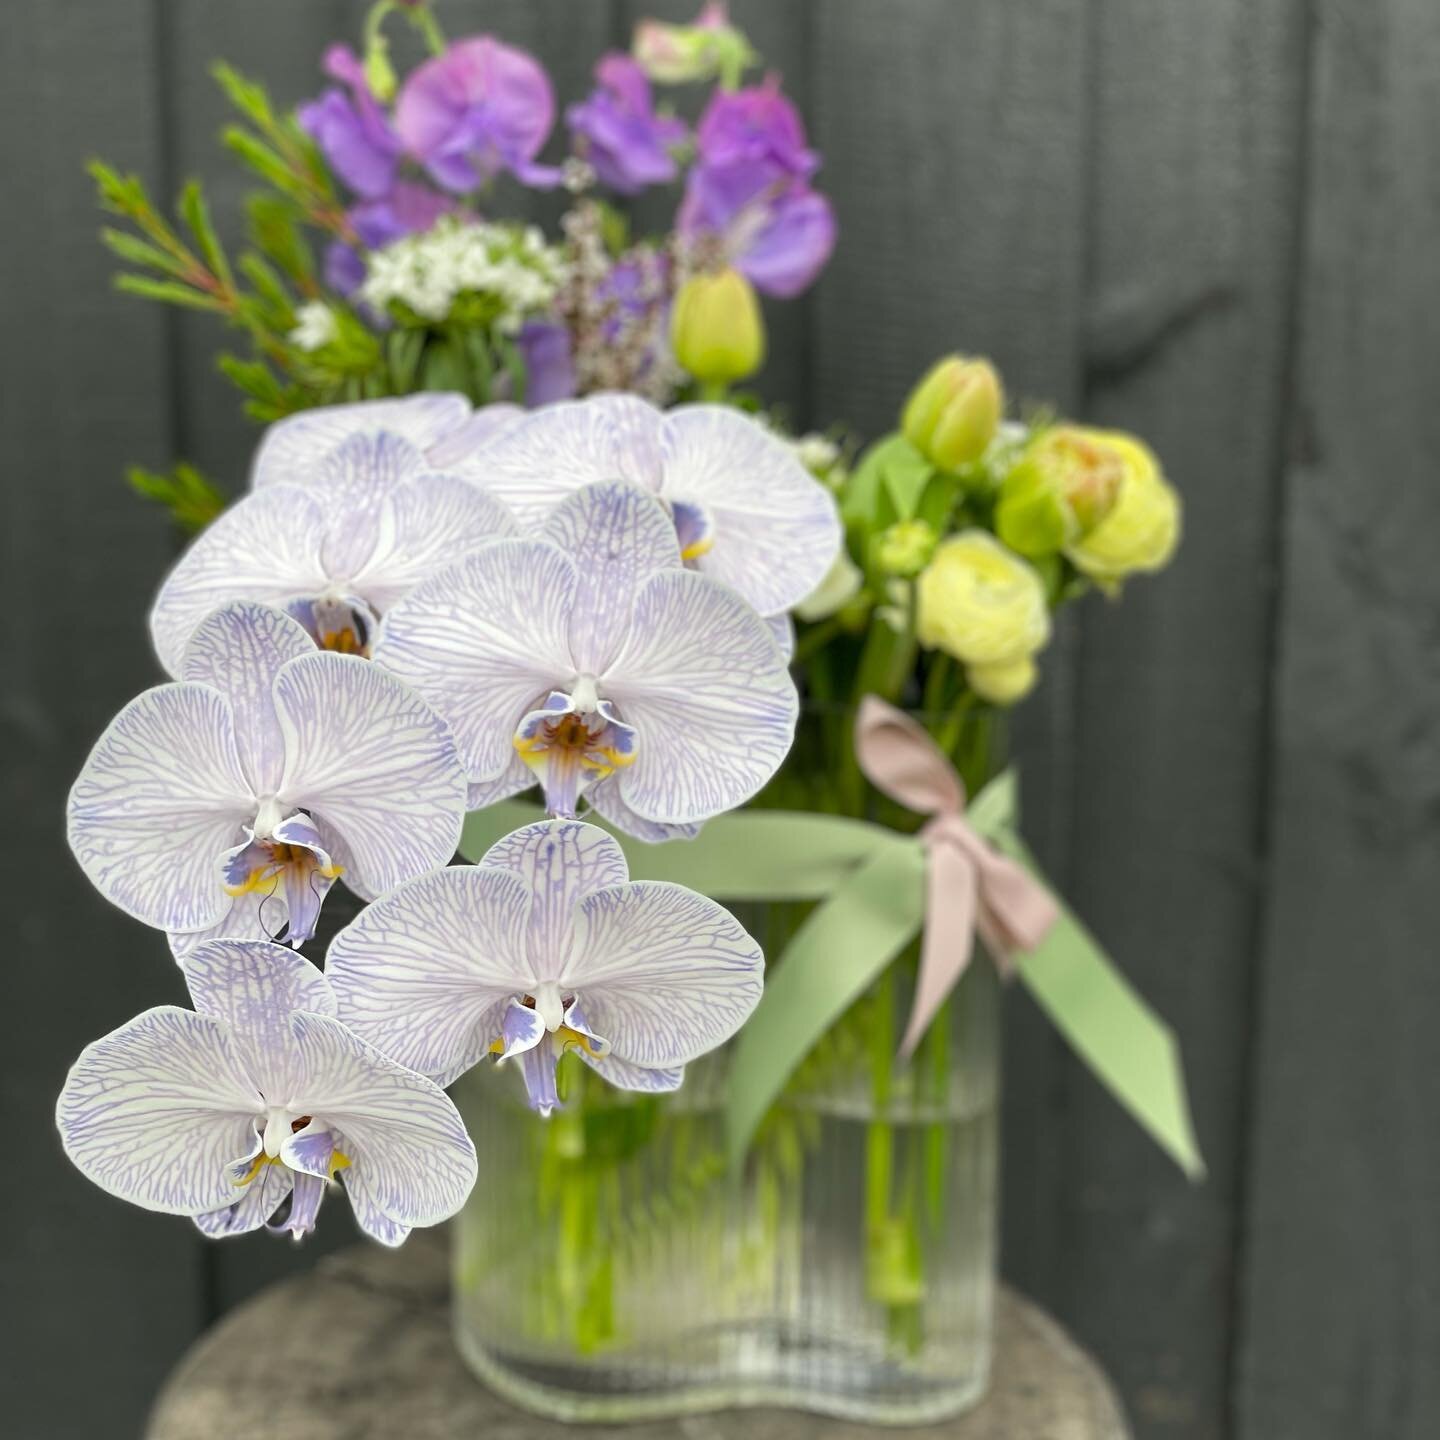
[[625, 1075], [617, 536], [481, 640], [709, 695], [663, 973], [159, 802], [238, 651], [293, 448], [258, 1202], [259, 914], [606, 801], [559, 861], [373, 764], [266, 547], [484, 427], [425, 973], [156, 1112], [536, 462], [410, 1155], [776, 527]]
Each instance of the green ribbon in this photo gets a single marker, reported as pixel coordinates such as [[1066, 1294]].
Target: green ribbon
[[870, 882]]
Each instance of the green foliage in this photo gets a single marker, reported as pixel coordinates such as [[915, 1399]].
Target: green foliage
[[192, 500]]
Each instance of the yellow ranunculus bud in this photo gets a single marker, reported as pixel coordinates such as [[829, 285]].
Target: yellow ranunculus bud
[[1003, 684], [1141, 527], [717, 331], [953, 414], [905, 548], [981, 603]]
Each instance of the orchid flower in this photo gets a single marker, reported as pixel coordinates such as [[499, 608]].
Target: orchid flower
[[243, 1111], [591, 656], [546, 946], [373, 520], [227, 804], [441, 426], [745, 510]]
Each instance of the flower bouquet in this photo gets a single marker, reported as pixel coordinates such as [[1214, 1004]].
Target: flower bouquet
[[516, 525]]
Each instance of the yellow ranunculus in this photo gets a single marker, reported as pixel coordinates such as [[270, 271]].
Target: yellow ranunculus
[[981, 603], [1140, 528], [1003, 684]]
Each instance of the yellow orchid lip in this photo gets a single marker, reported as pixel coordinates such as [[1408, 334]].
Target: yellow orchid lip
[[339, 1160]]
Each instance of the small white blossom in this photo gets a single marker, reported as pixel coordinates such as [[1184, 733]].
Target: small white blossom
[[315, 326], [511, 267], [817, 453]]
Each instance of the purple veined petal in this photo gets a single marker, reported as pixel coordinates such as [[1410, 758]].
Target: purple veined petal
[[521, 1029], [625, 1075], [373, 764], [266, 547], [256, 915], [160, 800], [513, 780], [308, 871], [617, 536], [356, 481], [784, 255], [426, 972], [782, 632], [537, 1069], [313, 1151], [775, 528], [559, 861], [532, 465], [305, 1200], [578, 1034], [569, 748], [254, 987], [292, 448], [665, 974], [709, 695], [482, 640], [409, 1153], [259, 1199], [487, 424], [157, 1110], [605, 800], [428, 524], [238, 650], [369, 1217]]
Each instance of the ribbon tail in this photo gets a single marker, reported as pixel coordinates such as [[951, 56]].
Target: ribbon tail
[[951, 898]]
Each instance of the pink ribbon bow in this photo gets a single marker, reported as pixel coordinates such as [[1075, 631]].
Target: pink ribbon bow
[[971, 887]]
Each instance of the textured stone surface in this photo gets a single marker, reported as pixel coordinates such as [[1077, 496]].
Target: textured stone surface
[[361, 1350]]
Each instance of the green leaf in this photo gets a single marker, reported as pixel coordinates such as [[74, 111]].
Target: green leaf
[[171, 292], [403, 352], [191, 499], [253, 377], [269, 286], [275, 231], [136, 251], [265, 162], [196, 214]]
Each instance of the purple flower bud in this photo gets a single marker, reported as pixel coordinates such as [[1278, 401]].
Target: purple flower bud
[[618, 132]]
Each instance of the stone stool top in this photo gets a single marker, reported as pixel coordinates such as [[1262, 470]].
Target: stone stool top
[[361, 1349]]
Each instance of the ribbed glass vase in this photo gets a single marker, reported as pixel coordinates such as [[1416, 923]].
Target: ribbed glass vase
[[610, 1266]]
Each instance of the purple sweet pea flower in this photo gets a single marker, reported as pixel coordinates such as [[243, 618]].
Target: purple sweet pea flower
[[479, 108], [226, 804], [353, 131], [590, 658], [619, 133], [257, 1097], [750, 191], [756, 126], [546, 946]]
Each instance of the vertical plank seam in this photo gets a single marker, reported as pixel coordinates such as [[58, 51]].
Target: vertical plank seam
[[1268, 721]]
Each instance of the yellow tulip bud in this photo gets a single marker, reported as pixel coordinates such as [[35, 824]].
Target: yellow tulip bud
[[953, 414], [905, 548], [1140, 528], [1003, 684], [717, 331], [981, 603]]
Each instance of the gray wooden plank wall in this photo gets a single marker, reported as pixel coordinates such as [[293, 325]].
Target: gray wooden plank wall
[[1214, 224]]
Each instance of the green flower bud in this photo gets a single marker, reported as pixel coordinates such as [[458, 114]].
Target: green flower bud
[[953, 414], [379, 72], [711, 47], [717, 330], [905, 548]]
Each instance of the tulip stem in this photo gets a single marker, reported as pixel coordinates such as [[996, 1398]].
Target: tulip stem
[[714, 392]]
